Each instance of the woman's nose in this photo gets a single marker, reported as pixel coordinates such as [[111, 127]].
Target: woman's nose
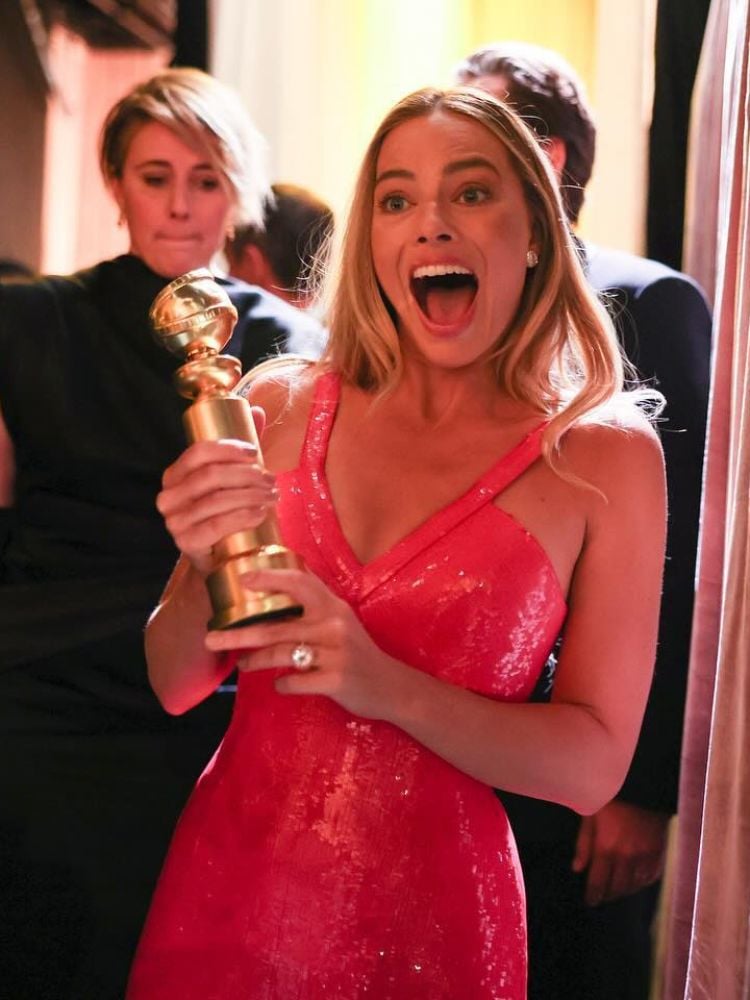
[[433, 226], [179, 202], [438, 237]]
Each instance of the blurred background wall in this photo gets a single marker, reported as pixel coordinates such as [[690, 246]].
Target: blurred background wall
[[63, 63], [317, 75]]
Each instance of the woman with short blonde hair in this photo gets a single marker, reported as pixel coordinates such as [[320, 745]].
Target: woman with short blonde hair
[[205, 114]]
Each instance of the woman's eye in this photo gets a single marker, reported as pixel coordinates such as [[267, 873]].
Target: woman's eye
[[393, 203], [154, 180], [208, 183], [473, 195]]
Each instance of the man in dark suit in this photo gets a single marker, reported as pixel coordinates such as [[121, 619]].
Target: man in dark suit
[[592, 884]]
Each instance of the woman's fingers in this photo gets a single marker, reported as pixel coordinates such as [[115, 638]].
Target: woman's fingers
[[199, 524], [325, 652], [216, 479], [300, 656], [213, 478], [306, 588], [285, 634], [319, 605], [323, 627], [252, 502], [199, 539], [214, 489], [207, 473], [204, 453]]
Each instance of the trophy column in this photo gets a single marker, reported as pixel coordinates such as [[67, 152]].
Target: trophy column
[[193, 317]]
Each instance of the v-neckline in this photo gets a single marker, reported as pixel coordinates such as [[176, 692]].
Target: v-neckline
[[369, 574]]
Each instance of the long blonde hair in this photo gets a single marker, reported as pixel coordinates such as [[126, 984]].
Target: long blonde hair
[[560, 353]]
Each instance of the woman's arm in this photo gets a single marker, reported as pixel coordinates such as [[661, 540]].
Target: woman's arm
[[181, 670], [575, 750], [213, 489]]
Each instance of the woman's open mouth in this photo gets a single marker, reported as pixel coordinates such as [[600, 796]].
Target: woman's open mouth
[[445, 293]]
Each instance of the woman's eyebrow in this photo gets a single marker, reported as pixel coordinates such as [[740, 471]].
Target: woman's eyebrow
[[470, 162], [388, 175], [166, 164], [455, 167], [153, 163]]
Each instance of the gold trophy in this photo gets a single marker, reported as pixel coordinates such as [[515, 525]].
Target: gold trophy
[[193, 317]]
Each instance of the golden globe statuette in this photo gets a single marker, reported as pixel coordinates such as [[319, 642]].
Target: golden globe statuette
[[193, 317]]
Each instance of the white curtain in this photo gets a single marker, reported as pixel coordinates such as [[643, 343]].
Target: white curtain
[[709, 946], [318, 75]]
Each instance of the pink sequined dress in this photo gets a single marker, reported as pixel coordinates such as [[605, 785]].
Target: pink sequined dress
[[326, 856]]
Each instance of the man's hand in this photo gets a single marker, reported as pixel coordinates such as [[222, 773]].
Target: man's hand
[[623, 848]]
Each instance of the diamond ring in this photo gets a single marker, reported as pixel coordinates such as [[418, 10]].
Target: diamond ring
[[303, 656]]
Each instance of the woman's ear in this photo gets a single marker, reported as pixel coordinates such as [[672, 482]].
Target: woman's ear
[[557, 154], [114, 185]]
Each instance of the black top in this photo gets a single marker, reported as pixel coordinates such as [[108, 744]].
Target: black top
[[88, 397]]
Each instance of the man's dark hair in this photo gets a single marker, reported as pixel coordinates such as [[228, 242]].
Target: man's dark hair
[[297, 224], [547, 93]]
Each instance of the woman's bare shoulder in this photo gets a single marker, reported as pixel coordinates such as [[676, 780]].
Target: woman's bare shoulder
[[284, 390], [281, 386], [619, 451]]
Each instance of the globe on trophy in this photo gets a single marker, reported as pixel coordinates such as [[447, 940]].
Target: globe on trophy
[[193, 318]]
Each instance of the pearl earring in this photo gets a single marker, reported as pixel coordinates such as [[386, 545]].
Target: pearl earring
[[532, 258]]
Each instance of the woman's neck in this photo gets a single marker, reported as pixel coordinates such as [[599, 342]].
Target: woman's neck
[[433, 396]]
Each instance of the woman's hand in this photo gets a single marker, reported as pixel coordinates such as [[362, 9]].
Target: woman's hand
[[346, 664], [622, 848], [213, 489]]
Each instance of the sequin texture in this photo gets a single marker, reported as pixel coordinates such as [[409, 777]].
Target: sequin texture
[[322, 855]]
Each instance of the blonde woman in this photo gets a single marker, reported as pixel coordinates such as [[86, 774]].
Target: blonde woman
[[463, 477]]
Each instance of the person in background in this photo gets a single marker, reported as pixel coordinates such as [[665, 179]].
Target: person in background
[[460, 474], [592, 884], [94, 772], [281, 255]]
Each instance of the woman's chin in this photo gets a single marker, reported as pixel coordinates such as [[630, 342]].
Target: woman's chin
[[172, 265]]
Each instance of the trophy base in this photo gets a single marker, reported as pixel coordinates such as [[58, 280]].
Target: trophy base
[[261, 611], [234, 605]]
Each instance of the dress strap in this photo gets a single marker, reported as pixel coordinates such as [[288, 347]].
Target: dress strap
[[505, 471], [320, 421], [513, 464]]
